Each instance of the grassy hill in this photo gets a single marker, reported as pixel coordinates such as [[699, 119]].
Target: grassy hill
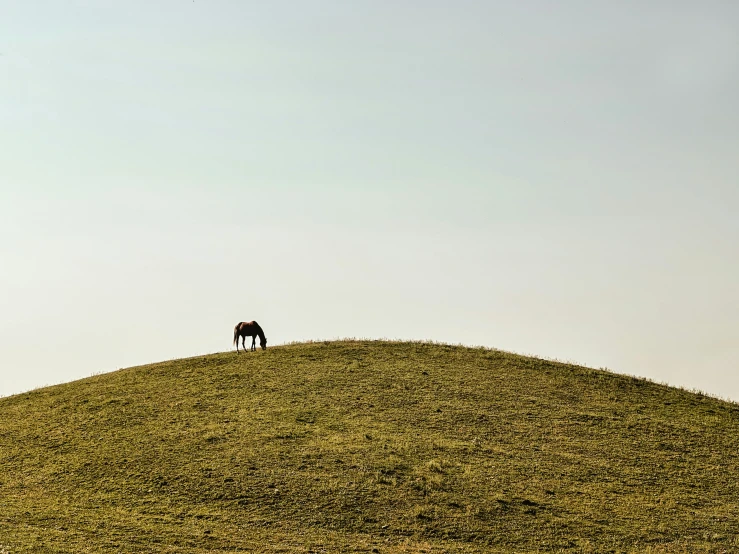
[[367, 446]]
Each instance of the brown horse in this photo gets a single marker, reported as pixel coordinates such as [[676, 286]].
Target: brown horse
[[250, 329]]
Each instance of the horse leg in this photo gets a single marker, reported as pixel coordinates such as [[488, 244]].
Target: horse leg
[[243, 342], [254, 344]]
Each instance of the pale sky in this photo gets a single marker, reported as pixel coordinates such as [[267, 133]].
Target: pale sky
[[551, 178]]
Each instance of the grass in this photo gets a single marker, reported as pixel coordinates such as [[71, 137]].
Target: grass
[[367, 446]]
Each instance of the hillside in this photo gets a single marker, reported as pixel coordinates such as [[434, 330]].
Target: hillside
[[367, 446]]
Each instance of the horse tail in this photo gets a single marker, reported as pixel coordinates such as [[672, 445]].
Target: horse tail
[[236, 333]]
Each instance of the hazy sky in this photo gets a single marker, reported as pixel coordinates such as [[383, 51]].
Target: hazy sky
[[551, 178]]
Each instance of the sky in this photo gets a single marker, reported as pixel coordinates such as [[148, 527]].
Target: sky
[[553, 179]]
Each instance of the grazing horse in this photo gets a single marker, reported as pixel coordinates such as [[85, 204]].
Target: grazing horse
[[250, 329]]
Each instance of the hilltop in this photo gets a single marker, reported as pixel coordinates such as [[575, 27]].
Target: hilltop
[[367, 446]]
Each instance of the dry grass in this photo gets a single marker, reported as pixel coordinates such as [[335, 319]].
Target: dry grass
[[367, 446]]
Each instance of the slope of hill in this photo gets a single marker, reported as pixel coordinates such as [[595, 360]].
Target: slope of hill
[[367, 446]]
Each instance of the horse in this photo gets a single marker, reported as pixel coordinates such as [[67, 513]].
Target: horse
[[249, 329]]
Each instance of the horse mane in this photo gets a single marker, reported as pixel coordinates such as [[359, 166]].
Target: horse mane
[[260, 333]]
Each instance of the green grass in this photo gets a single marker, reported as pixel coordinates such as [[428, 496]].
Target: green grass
[[367, 446]]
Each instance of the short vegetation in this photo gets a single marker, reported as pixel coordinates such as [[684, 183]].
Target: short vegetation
[[367, 446]]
